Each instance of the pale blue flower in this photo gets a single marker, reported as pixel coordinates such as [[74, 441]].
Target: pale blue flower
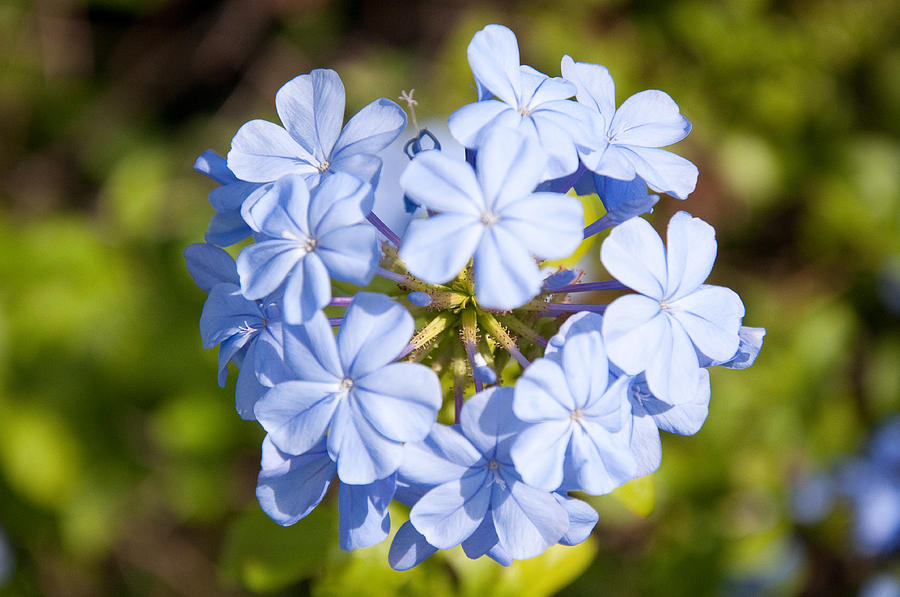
[[527, 100], [751, 343], [247, 332], [311, 144], [477, 497], [625, 142], [491, 215], [623, 199], [579, 421], [289, 488], [351, 389], [661, 330], [304, 241]]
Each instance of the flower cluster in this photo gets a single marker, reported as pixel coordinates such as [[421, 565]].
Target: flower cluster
[[462, 381]]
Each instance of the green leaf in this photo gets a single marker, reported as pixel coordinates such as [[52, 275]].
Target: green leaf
[[639, 495], [266, 557], [543, 575]]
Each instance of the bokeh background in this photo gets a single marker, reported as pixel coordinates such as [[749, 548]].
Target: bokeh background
[[123, 467]]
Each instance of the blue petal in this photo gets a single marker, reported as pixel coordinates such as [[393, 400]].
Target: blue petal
[[691, 252], [506, 275], [645, 446], [487, 420], [363, 166], [227, 313], [308, 289], [482, 540], [594, 85], [372, 129], [541, 394], [231, 349], [448, 514], [555, 140], [363, 518], [374, 332], [340, 200], [227, 228], [687, 416], [634, 254], [649, 119], [527, 520], [494, 57], [624, 199], [499, 555], [615, 161], [437, 248], [536, 88], [443, 184], [232, 196], [599, 460], [550, 225], [213, 165], [633, 328], [209, 265], [296, 414], [664, 171], [363, 455], [539, 452], [467, 123], [409, 548], [610, 409], [444, 455], [248, 390], [586, 367], [582, 519], [271, 368], [311, 107], [262, 151], [289, 487], [711, 316], [673, 370], [400, 400], [280, 210], [751, 343], [310, 351], [509, 166], [351, 254], [263, 266]]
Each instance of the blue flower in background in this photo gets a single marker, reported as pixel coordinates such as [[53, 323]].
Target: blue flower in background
[[529, 101], [490, 215], [626, 141], [579, 423], [312, 144], [623, 199], [226, 227], [306, 240], [290, 487], [247, 332], [676, 315], [351, 389], [477, 497]]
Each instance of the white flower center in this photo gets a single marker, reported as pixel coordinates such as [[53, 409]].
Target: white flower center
[[489, 218]]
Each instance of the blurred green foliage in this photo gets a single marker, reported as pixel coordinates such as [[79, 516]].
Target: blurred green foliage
[[123, 467]]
